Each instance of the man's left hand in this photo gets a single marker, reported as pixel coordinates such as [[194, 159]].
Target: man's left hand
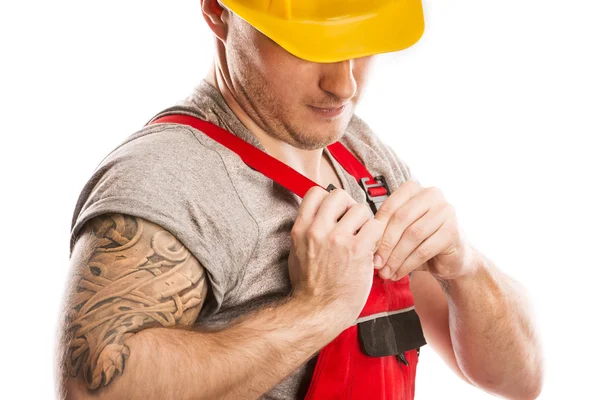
[[421, 233]]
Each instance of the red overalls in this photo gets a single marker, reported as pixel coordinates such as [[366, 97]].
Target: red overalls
[[377, 357]]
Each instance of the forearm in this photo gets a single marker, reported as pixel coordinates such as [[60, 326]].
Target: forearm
[[493, 335], [240, 362]]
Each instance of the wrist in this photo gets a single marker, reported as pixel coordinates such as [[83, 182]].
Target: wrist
[[475, 263], [481, 278], [329, 316], [473, 271]]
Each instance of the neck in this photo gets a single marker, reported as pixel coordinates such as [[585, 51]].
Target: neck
[[309, 163]]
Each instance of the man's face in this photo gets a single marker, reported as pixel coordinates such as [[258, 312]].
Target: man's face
[[288, 97]]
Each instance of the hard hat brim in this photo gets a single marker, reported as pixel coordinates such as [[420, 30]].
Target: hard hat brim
[[395, 26]]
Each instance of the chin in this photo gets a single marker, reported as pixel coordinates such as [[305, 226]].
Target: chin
[[335, 130], [321, 136], [311, 134]]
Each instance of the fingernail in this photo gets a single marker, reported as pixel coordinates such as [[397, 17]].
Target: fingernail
[[378, 261], [385, 272]]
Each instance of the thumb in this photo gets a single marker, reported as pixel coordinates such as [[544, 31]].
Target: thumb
[[372, 231]]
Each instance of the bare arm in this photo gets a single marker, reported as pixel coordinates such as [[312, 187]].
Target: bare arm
[[481, 325], [135, 293]]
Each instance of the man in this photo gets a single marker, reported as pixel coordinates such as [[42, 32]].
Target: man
[[196, 276]]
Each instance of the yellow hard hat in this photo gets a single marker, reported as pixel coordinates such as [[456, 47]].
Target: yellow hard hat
[[334, 30]]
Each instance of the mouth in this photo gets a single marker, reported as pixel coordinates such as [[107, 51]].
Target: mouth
[[328, 112]]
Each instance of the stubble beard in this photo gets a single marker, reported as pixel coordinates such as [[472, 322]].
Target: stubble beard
[[281, 125]]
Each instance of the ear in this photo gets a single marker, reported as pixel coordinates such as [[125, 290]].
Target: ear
[[216, 17]]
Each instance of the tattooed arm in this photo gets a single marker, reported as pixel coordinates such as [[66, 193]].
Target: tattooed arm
[[128, 275], [134, 295]]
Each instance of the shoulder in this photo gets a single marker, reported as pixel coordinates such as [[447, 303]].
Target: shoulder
[[165, 175], [162, 140], [161, 173], [168, 154]]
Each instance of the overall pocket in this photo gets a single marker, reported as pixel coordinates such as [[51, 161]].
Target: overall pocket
[[392, 334]]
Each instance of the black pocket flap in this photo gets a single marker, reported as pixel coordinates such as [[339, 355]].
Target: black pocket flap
[[391, 335]]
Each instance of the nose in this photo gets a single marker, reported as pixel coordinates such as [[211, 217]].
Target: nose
[[338, 79]]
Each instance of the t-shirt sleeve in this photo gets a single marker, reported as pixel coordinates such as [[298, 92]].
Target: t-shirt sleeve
[[163, 174]]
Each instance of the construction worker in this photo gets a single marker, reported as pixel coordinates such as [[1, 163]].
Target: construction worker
[[258, 240]]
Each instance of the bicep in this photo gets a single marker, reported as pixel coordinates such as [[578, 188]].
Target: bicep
[[432, 307], [128, 274]]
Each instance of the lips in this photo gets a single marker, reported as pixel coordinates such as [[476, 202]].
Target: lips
[[328, 112]]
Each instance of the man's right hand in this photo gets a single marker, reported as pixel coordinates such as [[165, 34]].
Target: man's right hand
[[330, 264]]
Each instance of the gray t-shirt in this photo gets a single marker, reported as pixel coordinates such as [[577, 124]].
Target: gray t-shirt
[[233, 219]]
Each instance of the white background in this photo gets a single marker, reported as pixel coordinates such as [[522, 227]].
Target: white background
[[498, 105]]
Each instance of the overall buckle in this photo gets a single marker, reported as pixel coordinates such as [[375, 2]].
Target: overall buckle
[[378, 197]]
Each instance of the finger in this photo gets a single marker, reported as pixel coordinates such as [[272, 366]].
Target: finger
[[404, 216], [371, 232], [411, 238], [422, 267], [397, 199], [335, 205], [310, 204], [354, 219], [431, 247]]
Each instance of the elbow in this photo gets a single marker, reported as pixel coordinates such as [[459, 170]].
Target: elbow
[[530, 390], [534, 385], [513, 391], [521, 378], [520, 385], [76, 388], [108, 380], [535, 391]]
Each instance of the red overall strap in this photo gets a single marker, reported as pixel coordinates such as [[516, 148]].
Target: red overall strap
[[355, 168], [270, 166]]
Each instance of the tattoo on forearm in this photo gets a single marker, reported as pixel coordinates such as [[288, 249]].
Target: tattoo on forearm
[[132, 276]]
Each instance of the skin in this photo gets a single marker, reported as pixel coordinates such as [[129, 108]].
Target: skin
[[113, 346]]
